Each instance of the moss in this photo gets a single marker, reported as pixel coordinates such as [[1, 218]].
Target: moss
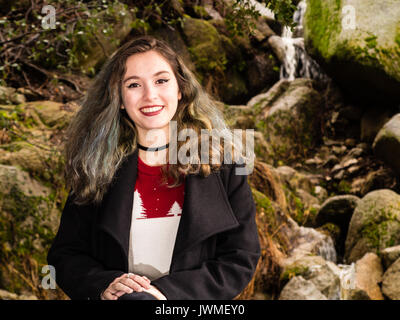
[[293, 272], [265, 209], [371, 41], [205, 45], [375, 230], [200, 12], [21, 226], [344, 187], [323, 22]]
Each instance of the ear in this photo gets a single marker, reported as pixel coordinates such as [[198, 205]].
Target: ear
[[179, 95]]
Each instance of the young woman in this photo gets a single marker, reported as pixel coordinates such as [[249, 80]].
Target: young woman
[[143, 220]]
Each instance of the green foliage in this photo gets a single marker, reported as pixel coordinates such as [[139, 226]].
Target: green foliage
[[79, 25], [241, 16]]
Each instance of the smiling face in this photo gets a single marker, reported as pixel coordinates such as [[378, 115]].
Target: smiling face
[[150, 92]]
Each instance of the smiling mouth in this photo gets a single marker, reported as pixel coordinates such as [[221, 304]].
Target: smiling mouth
[[151, 110]]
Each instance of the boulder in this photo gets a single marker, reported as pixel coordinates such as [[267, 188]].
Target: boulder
[[390, 255], [10, 95], [288, 117], [358, 44], [391, 281], [375, 224], [318, 271], [338, 210], [371, 122], [387, 143], [299, 288], [369, 274]]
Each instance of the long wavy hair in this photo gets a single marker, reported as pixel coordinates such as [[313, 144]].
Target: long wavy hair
[[101, 134]]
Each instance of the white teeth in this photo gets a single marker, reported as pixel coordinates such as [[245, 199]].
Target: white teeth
[[152, 109]]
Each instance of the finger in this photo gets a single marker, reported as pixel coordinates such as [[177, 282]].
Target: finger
[[109, 296], [119, 294], [145, 283], [122, 287], [132, 284]]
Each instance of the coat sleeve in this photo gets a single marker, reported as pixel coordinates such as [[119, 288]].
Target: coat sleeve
[[77, 272], [236, 258]]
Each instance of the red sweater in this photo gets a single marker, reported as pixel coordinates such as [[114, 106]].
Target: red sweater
[[155, 219]]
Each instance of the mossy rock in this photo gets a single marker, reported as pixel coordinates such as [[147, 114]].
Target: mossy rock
[[205, 45], [28, 223], [52, 114], [375, 224], [289, 119], [358, 47]]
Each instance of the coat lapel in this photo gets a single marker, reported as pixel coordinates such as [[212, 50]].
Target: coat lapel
[[206, 210]]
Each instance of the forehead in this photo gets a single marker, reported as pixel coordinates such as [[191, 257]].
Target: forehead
[[146, 64]]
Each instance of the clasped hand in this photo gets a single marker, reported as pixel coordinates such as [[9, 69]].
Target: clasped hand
[[128, 283]]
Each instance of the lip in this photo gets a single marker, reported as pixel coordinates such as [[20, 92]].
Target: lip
[[149, 114]]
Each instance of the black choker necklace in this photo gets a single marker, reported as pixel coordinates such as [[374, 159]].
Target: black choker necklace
[[153, 149]]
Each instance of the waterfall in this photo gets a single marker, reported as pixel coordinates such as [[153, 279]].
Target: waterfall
[[297, 63], [289, 47]]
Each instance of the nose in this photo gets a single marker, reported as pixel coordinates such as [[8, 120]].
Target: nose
[[150, 92]]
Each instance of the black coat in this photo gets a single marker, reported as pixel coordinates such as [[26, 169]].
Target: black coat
[[216, 249]]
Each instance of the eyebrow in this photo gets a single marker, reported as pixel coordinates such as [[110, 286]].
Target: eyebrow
[[154, 75]]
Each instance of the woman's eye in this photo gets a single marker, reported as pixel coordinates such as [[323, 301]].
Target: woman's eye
[[133, 85], [162, 80]]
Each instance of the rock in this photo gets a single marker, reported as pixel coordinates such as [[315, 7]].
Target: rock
[[391, 281], [375, 224], [338, 210], [387, 143], [390, 255], [294, 179], [28, 210], [305, 241], [210, 51], [10, 95], [290, 124], [52, 114], [369, 274], [300, 289], [358, 47], [262, 73], [371, 122], [262, 101], [5, 295], [315, 269], [377, 179], [320, 193], [174, 39], [326, 281]]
